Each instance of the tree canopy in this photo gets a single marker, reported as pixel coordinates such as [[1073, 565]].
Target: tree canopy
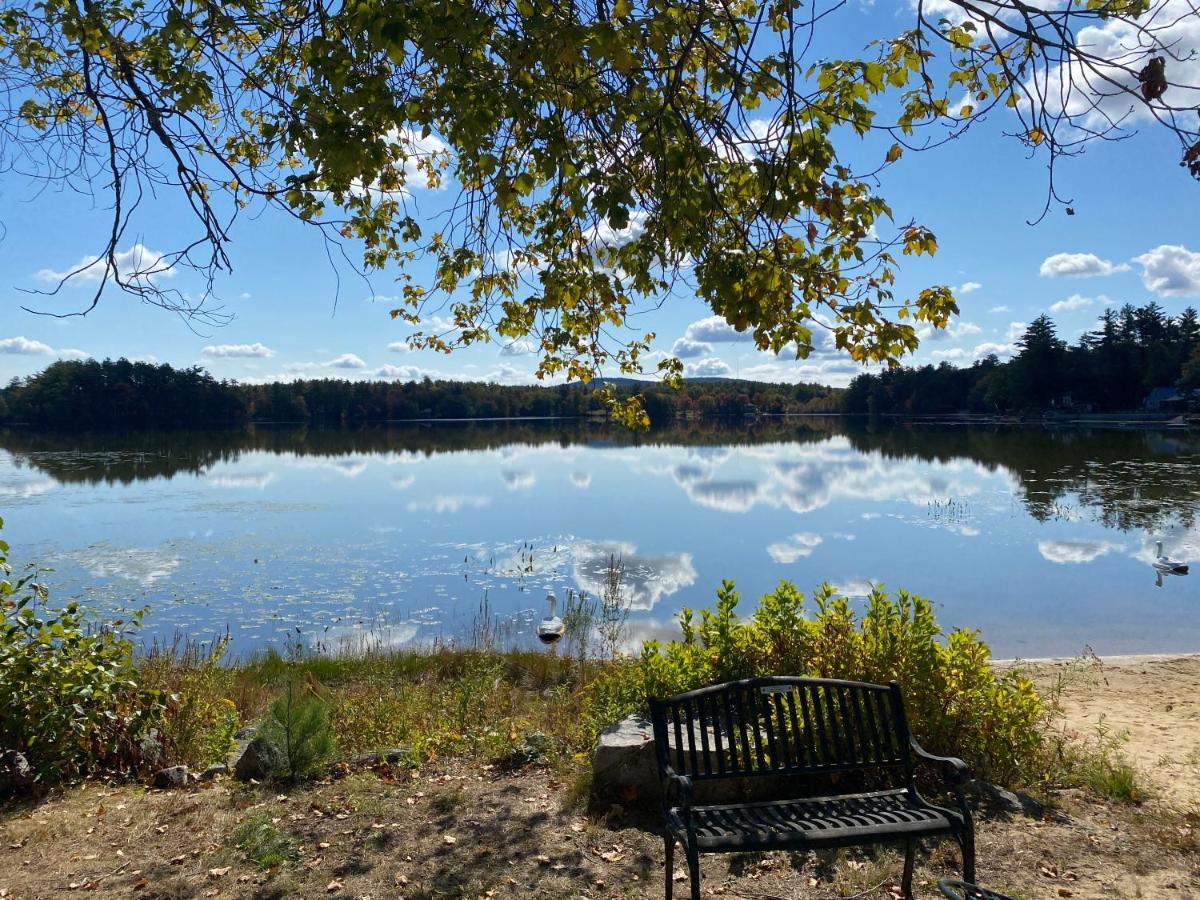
[[1132, 351], [599, 150]]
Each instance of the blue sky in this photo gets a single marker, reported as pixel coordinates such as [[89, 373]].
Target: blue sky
[[1133, 238]]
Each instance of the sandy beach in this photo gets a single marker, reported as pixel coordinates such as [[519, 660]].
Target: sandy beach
[[1150, 705]]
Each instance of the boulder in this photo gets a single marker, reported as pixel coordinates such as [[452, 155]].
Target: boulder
[[152, 749], [16, 774], [375, 757], [624, 767], [1004, 800], [213, 771], [259, 759], [171, 777]]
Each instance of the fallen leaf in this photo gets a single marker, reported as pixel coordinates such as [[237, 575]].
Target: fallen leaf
[[217, 873], [449, 839], [178, 860], [333, 887]]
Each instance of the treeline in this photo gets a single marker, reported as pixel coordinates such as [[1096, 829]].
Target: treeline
[[118, 393], [1115, 367], [91, 395]]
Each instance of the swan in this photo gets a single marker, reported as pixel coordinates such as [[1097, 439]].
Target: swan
[[1166, 564]]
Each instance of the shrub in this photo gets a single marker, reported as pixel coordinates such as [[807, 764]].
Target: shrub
[[199, 720], [957, 702], [298, 724], [72, 702]]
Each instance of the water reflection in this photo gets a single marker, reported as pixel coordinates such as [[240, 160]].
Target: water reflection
[[1044, 539]]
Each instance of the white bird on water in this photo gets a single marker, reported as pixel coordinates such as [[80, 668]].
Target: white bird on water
[[1166, 564]]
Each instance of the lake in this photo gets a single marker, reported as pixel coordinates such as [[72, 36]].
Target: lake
[[407, 534]]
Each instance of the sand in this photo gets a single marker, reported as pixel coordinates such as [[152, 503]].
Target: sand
[[1151, 705]]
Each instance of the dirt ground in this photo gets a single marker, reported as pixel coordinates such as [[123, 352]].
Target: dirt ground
[[469, 831], [1151, 706]]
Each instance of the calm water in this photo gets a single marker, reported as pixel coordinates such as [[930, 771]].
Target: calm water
[[1041, 539]]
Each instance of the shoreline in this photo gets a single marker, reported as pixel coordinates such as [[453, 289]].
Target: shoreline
[[1117, 659]]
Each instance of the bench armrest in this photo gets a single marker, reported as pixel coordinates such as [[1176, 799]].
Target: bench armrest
[[954, 770], [677, 790]]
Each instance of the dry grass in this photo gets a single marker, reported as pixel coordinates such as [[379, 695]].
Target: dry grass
[[459, 831]]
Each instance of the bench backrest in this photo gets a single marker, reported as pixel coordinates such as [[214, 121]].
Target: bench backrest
[[781, 725]]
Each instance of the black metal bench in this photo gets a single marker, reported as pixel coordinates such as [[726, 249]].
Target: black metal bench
[[808, 728]]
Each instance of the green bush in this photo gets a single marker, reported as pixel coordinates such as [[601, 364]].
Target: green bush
[[298, 724], [200, 719], [72, 702], [957, 702]]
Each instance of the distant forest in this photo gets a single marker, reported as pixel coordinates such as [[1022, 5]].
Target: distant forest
[[122, 394], [1133, 351]]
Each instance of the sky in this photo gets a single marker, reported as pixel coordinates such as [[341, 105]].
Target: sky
[[1134, 238]]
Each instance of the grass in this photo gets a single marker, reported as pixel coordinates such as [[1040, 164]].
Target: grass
[[479, 704], [261, 842]]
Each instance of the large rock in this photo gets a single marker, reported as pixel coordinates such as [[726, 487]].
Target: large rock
[[260, 759], [394, 756], [624, 768], [1004, 800], [171, 777], [16, 774]]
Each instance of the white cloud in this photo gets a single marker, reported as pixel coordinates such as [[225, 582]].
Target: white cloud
[[713, 367], [238, 351], [449, 503], [1097, 96], [968, 287], [992, 347], [23, 346], [255, 480], [518, 348], [999, 309], [1170, 270], [795, 547], [644, 579], [715, 330], [518, 479], [1075, 301], [958, 353], [139, 264], [581, 480], [1078, 265], [1015, 330], [1075, 551], [403, 373], [347, 361], [399, 347], [686, 348], [956, 330]]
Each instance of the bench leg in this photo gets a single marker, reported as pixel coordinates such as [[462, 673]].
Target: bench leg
[[670, 842], [693, 860], [910, 858], [968, 855]]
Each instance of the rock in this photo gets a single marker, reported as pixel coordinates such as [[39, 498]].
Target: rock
[[246, 733], [171, 777], [1003, 799], [375, 757], [624, 766], [213, 771], [151, 748], [16, 774], [260, 759]]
